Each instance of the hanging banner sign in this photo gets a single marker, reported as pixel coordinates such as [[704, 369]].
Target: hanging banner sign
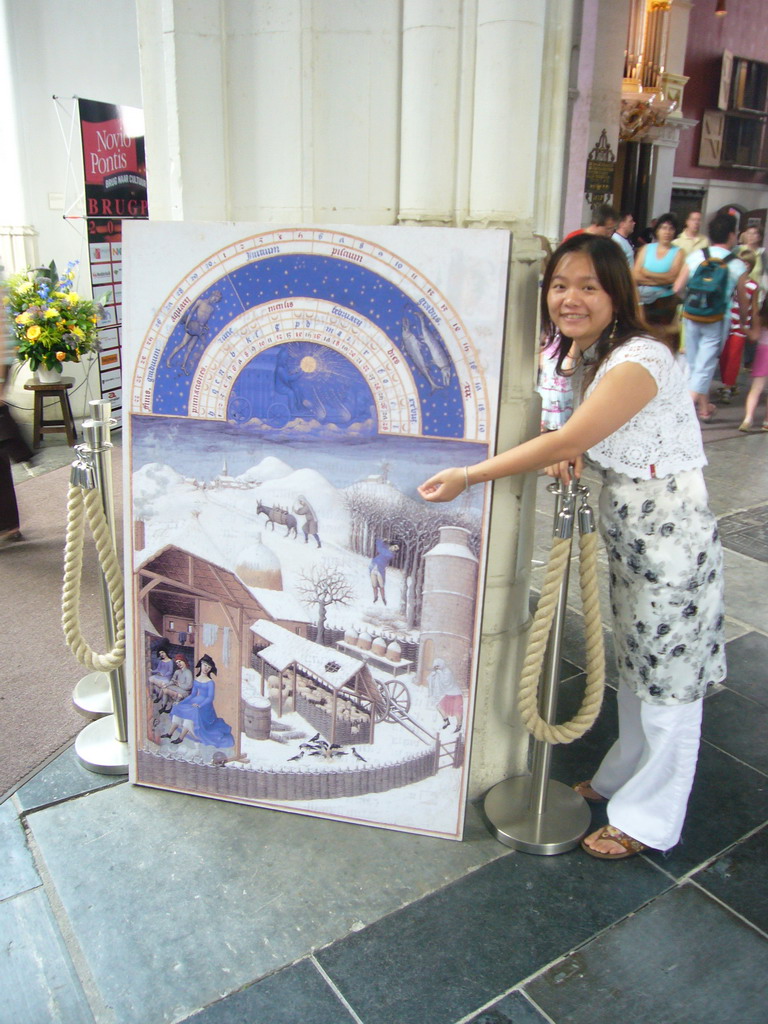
[[303, 627], [115, 190]]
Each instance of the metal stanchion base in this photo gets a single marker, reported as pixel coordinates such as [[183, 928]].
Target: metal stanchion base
[[99, 750], [559, 829], [92, 696]]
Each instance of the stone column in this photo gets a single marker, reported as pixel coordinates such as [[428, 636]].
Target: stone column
[[429, 126]]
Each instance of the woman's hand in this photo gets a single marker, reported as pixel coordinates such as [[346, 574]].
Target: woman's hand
[[443, 486], [565, 471]]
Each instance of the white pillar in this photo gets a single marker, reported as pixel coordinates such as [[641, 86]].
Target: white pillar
[[429, 125], [510, 44]]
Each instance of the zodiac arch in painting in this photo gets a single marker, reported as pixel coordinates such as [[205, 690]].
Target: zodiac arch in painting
[[306, 330]]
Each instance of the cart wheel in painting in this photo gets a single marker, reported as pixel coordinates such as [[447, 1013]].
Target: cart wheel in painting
[[380, 709], [399, 695]]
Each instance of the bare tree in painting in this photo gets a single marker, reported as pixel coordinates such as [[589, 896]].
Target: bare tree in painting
[[324, 585]]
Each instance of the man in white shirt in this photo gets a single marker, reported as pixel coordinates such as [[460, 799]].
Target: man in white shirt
[[704, 341], [620, 236]]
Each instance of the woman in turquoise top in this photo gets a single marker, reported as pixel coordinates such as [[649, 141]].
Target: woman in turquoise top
[[656, 268]]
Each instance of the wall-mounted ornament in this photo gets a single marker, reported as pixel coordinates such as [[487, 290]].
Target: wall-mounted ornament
[[598, 186]]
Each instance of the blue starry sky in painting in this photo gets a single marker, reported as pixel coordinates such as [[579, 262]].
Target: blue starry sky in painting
[[273, 388]]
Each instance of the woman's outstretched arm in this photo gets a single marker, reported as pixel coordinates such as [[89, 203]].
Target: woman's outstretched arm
[[619, 396]]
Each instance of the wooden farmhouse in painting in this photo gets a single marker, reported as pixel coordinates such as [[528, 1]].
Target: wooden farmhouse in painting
[[200, 607]]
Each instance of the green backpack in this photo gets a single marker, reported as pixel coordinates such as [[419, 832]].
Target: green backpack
[[709, 293]]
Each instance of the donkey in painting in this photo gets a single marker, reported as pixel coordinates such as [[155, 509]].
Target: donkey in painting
[[279, 515]]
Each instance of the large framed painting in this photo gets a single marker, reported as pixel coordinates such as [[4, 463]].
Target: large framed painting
[[303, 628]]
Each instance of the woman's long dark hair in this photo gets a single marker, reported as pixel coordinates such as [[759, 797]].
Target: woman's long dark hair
[[612, 272], [209, 661]]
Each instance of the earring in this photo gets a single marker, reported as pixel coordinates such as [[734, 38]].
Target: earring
[[612, 335]]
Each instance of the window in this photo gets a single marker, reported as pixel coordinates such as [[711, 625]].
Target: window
[[735, 134]]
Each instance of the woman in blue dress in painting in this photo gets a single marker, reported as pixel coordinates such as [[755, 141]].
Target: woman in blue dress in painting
[[196, 716]]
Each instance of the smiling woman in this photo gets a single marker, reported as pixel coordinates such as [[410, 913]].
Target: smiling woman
[[637, 425]]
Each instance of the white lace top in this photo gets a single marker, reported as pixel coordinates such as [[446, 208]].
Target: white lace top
[[664, 437]]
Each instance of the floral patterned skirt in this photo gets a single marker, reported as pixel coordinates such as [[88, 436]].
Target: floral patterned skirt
[[666, 584]]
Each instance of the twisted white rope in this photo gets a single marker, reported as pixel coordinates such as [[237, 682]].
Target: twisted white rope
[[81, 503], [528, 699]]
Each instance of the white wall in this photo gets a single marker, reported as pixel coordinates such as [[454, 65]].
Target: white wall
[[69, 48]]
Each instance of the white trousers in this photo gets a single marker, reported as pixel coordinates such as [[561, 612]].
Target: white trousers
[[648, 773]]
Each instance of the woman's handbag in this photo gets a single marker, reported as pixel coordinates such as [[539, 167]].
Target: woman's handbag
[[12, 443]]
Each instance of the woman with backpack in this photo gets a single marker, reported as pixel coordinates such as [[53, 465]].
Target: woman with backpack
[[638, 427]]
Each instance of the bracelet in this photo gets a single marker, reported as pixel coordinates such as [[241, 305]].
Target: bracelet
[[466, 478]]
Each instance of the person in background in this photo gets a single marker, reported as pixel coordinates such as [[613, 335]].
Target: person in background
[[13, 448], [704, 341], [691, 238], [555, 389], [624, 229], [604, 221], [759, 369], [638, 426], [752, 241], [656, 268], [730, 357]]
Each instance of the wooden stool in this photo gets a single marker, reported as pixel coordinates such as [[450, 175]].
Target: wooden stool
[[40, 425]]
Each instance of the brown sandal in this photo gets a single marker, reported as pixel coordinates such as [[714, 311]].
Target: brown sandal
[[598, 798], [631, 846]]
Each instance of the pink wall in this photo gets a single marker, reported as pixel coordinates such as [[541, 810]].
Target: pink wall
[[743, 31]]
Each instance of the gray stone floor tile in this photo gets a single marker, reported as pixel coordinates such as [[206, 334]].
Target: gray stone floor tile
[[740, 879], [62, 779], [747, 660], [728, 801], [296, 995], [513, 1009], [738, 726], [682, 960], [456, 949], [747, 532], [18, 872], [228, 893], [38, 983], [745, 590]]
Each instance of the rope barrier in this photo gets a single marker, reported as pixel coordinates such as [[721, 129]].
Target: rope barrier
[[528, 699], [82, 504]]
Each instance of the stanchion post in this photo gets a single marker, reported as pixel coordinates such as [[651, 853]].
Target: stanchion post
[[102, 746], [533, 813]]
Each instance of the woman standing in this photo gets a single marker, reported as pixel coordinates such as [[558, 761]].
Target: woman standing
[[655, 271], [638, 426]]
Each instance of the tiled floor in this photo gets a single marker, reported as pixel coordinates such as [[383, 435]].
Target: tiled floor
[[126, 905]]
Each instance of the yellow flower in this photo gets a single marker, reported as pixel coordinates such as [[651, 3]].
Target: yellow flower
[[78, 331], [23, 318], [25, 286], [61, 356], [51, 314], [33, 332], [73, 298]]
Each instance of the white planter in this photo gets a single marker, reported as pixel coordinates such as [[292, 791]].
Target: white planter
[[45, 376]]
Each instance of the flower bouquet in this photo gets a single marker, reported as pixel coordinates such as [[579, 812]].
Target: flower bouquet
[[52, 323]]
